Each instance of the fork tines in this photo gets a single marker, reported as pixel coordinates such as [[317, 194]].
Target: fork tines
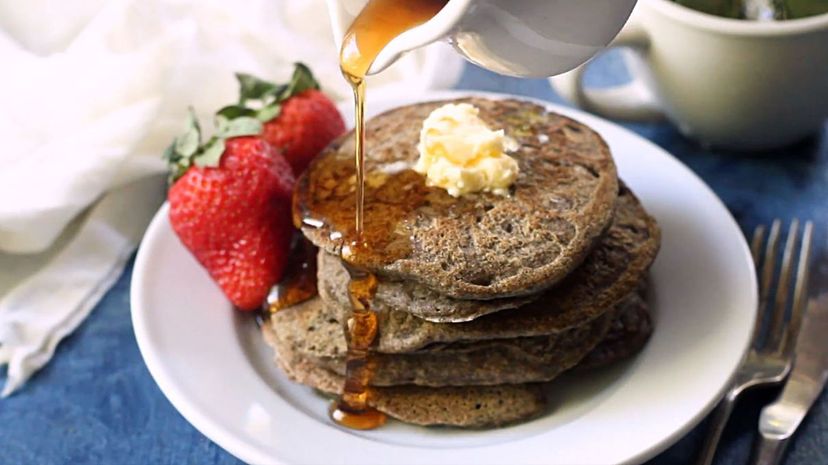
[[785, 320]]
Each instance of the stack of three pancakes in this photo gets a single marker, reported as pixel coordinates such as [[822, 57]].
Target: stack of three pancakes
[[492, 297]]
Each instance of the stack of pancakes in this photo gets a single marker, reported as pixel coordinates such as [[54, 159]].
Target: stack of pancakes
[[496, 295]]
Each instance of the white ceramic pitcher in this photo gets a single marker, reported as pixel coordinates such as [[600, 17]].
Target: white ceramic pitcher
[[527, 38]]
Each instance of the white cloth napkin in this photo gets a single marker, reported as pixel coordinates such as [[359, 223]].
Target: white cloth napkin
[[91, 93]]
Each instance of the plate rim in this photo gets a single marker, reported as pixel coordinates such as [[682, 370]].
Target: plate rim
[[172, 392], [230, 441]]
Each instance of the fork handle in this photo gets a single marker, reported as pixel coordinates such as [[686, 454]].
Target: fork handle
[[769, 450], [718, 420]]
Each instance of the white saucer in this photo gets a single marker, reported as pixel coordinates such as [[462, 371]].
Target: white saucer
[[214, 367]]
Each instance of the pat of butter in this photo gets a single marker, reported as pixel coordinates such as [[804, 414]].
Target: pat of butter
[[460, 154]]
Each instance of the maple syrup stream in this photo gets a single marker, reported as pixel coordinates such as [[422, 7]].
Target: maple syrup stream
[[379, 22], [329, 202]]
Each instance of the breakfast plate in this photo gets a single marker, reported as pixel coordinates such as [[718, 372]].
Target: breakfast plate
[[215, 368]]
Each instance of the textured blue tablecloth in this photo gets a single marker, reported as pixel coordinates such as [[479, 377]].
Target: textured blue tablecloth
[[96, 402]]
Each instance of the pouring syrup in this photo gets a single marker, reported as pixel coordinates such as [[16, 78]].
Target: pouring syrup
[[378, 23]]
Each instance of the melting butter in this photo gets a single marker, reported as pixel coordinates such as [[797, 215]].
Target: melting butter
[[461, 154]]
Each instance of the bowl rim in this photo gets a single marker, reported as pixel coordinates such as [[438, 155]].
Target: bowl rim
[[739, 27]]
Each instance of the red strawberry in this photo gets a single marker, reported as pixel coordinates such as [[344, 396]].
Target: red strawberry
[[307, 124], [231, 207], [298, 118]]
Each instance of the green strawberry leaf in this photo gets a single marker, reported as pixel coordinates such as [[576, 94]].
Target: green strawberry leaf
[[262, 99], [253, 88], [235, 111], [176, 171], [170, 155], [301, 81], [211, 152], [236, 127], [178, 164], [187, 143], [269, 112], [179, 153], [187, 149]]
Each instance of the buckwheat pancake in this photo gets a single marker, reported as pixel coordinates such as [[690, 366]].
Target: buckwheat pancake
[[410, 296], [463, 406], [612, 271], [479, 246], [628, 333], [499, 361]]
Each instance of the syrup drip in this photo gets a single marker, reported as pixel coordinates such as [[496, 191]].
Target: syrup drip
[[352, 408], [299, 281], [379, 22], [327, 200]]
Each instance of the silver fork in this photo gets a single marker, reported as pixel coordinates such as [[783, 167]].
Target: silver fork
[[770, 358]]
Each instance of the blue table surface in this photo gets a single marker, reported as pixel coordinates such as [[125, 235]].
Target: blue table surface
[[95, 402]]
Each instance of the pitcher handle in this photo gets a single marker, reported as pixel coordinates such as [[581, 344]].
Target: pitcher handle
[[632, 101]]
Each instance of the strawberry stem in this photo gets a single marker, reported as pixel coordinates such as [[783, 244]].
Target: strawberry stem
[[263, 99], [187, 150], [259, 102]]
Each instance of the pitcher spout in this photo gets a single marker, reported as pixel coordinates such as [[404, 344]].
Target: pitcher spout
[[343, 12]]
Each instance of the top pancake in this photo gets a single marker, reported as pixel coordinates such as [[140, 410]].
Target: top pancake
[[611, 272], [479, 246]]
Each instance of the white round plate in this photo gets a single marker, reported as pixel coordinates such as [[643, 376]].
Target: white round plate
[[212, 364]]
